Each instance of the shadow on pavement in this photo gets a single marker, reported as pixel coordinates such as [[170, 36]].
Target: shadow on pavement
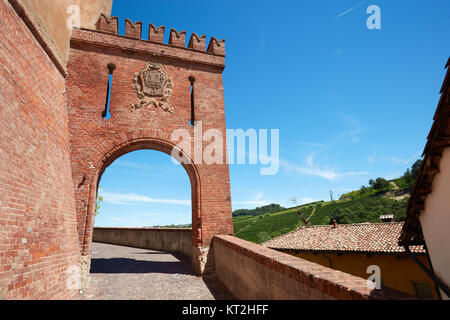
[[127, 265], [218, 291]]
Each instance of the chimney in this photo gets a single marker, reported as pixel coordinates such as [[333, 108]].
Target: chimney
[[334, 224], [387, 218]]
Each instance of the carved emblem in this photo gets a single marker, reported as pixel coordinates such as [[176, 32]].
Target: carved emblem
[[154, 87]]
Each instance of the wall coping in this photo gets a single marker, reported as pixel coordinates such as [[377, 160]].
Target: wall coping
[[334, 283], [95, 38], [146, 229], [348, 252], [39, 31]]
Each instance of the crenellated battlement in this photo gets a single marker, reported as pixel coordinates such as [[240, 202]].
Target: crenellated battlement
[[197, 43], [217, 47], [156, 35], [133, 30], [109, 25], [177, 39]]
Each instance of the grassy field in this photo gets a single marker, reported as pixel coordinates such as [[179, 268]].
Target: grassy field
[[368, 209], [268, 226], [359, 210], [364, 205], [395, 184]]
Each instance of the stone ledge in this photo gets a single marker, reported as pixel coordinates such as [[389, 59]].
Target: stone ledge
[[146, 229], [84, 38], [40, 33], [167, 239], [333, 283]]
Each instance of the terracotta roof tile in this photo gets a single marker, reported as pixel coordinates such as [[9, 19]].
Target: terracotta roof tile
[[362, 237]]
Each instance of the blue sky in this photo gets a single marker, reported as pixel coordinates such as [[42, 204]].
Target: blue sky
[[351, 103]]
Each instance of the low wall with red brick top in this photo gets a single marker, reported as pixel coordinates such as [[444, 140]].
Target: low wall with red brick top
[[170, 240], [253, 272]]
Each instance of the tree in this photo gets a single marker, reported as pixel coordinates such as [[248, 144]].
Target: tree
[[380, 184], [363, 190], [98, 204], [371, 182], [408, 176], [259, 210], [415, 168]]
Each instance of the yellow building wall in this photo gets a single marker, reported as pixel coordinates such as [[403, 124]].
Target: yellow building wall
[[50, 18], [397, 270]]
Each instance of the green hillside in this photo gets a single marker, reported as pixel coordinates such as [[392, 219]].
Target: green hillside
[[364, 205], [268, 226], [264, 227], [258, 211]]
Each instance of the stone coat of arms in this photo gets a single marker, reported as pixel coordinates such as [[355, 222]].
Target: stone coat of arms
[[153, 87]]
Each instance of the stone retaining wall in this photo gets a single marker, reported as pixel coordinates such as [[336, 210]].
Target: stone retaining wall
[[169, 240], [252, 272]]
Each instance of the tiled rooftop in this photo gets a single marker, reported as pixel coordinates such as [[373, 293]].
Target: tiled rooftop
[[357, 238]]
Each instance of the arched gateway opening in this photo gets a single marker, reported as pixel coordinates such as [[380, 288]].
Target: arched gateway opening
[[144, 189], [151, 144], [116, 153], [144, 144]]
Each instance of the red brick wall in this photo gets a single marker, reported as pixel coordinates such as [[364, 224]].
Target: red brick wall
[[38, 224], [96, 142], [253, 272], [37, 214]]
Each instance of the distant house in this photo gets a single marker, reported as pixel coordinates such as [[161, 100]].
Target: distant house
[[352, 248], [428, 214]]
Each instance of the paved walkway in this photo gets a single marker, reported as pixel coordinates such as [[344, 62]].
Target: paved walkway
[[123, 273]]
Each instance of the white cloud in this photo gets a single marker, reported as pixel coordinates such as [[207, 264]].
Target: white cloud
[[132, 164], [115, 219], [314, 144], [256, 203], [131, 198], [149, 221], [402, 160], [399, 160], [308, 200], [393, 175], [314, 170], [310, 160], [257, 200], [354, 128], [128, 164]]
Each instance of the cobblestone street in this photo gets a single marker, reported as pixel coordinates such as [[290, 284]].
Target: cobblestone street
[[124, 273]]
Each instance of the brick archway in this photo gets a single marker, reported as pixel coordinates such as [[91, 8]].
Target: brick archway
[[145, 143], [140, 121]]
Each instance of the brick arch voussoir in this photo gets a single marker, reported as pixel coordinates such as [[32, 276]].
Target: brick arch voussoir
[[121, 143]]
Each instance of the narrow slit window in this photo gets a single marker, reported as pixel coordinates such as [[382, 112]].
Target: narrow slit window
[[192, 81], [106, 113]]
